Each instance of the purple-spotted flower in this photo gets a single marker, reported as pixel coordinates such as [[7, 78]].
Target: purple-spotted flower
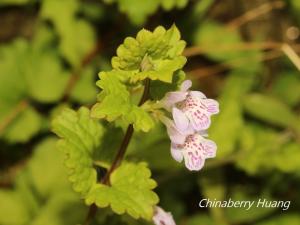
[[189, 145], [194, 151], [190, 109], [162, 218]]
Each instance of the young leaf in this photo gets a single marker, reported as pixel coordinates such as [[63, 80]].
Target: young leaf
[[80, 137], [115, 103], [130, 191], [155, 55]]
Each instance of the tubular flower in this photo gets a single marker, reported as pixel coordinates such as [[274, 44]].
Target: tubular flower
[[190, 109], [162, 218], [194, 151]]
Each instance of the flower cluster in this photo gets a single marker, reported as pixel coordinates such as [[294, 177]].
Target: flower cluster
[[191, 112]]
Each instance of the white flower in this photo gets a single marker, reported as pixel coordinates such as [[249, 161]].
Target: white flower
[[190, 109], [162, 218]]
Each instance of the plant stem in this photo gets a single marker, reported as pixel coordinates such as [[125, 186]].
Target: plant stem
[[120, 154]]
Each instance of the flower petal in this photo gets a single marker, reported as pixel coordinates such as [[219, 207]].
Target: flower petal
[[193, 159], [175, 135], [197, 94], [181, 121], [172, 98], [212, 106], [176, 153], [199, 119], [209, 149], [161, 217], [185, 85]]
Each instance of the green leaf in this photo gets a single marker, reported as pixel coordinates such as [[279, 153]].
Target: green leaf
[[259, 143], [45, 76], [80, 137], [69, 26], [136, 10], [62, 208], [287, 88], [270, 110], [24, 126], [287, 159], [39, 72], [158, 89], [290, 218], [170, 4], [13, 210], [115, 103], [155, 55], [84, 90], [130, 191], [72, 49], [46, 168], [230, 118]]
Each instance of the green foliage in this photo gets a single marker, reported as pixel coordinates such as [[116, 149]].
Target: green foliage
[[259, 144], [261, 106], [287, 88], [84, 90], [208, 36], [12, 210], [115, 103], [25, 125], [292, 219], [63, 16], [50, 52], [80, 137], [138, 11], [41, 194], [155, 55], [130, 191], [230, 118]]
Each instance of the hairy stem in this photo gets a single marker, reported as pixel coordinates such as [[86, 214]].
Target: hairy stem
[[120, 154]]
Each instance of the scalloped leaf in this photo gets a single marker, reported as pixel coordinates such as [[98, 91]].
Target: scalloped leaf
[[130, 191], [155, 55], [115, 103], [80, 137]]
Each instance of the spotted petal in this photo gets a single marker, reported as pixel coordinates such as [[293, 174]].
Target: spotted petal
[[193, 160], [211, 105], [208, 148]]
